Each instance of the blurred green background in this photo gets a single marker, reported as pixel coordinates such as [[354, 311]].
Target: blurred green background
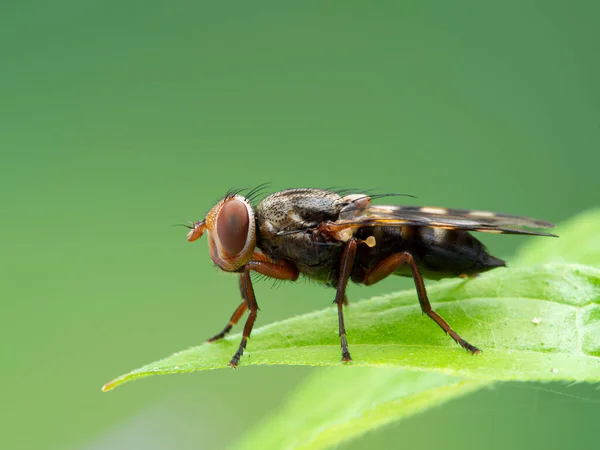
[[119, 119]]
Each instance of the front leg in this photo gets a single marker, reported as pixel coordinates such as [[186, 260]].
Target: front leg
[[280, 271], [238, 313]]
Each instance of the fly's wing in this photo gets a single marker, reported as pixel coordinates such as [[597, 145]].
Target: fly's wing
[[452, 219]]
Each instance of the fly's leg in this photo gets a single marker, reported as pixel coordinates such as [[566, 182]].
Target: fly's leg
[[389, 265], [270, 269], [346, 264], [250, 299], [239, 312]]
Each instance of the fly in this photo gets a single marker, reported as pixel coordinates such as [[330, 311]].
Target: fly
[[335, 237]]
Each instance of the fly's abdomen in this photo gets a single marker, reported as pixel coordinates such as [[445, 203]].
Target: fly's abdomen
[[440, 253], [449, 253]]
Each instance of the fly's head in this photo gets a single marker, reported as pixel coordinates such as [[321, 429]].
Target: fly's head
[[230, 227]]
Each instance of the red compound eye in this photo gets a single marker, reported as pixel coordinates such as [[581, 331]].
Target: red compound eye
[[232, 226]]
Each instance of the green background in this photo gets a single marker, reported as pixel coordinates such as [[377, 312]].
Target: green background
[[119, 119]]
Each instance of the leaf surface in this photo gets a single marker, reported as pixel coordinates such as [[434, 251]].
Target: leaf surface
[[325, 424], [538, 323], [336, 405]]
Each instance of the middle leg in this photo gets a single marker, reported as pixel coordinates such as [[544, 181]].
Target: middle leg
[[346, 264]]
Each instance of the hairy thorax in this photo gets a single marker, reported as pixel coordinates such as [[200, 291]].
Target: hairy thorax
[[284, 221]]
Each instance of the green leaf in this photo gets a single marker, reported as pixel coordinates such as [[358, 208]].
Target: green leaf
[[579, 242], [358, 400], [325, 424], [497, 312], [392, 333]]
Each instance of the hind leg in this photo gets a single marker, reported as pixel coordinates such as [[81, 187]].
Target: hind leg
[[389, 265]]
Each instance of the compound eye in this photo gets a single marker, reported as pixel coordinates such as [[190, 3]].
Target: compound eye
[[232, 226]]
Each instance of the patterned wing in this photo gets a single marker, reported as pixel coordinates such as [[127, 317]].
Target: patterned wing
[[452, 219]]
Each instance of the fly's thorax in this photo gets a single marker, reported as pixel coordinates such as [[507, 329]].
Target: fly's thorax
[[296, 209], [285, 223], [302, 209]]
